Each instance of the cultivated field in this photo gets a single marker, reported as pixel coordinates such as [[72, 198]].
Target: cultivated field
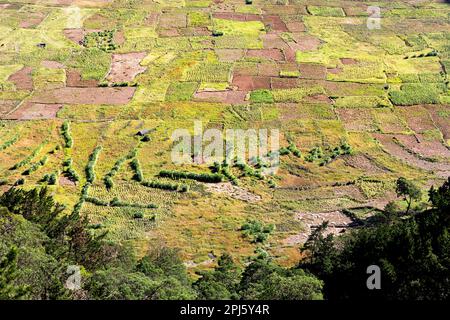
[[356, 108]]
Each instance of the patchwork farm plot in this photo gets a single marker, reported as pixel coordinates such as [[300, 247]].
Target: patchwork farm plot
[[91, 91]]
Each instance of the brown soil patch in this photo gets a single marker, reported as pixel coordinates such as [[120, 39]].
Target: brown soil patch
[[229, 97], [22, 79], [194, 32], [114, 96], [246, 69], [312, 71], [232, 191], [284, 83], [268, 69], [75, 35], [73, 79], [284, 9], [420, 145], [248, 83], [229, 55], [442, 122], [64, 181], [32, 20], [418, 118], [348, 61], [119, 38], [172, 20], [334, 70], [52, 64], [271, 54], [304, 42], [273, 41], [442, 170], [152, 19], [364, 163], [7, 106], [288, 111], [357, 119], [296, 26], [274, 23], [125, 67], [168, 33], [337, 223], [318, 98], [35, 111]]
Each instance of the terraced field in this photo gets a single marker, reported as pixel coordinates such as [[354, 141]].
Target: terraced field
[[356, 107]]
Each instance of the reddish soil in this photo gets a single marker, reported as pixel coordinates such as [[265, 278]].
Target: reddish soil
[[288, 111], [295, 26], [152, 19], [284, 83], [418, 144], [273, 41], [441, 170], [113, 96], [229, 97], [6, 106], [172, 20], [230, 55], [312, 71], [194, 32], [443, 123], [363, 163], [119, 37], [237, 16], [248, 83], [268, 69], [289, 54], [76, 35], [418, 118], [246, 70], [52, 64], [125, 67], [32, 20], [337, 223], [352, 11], [73, 79], [334, 70], [357, 119], [284, 10], [275, 23], [64, 181], [168, 33], [304, 42], [22, 79], [318, 98], [35, 111], [348, 61], [270, 54]]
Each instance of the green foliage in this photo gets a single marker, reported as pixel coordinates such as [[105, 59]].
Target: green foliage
[[8, 273], [261, 96], [65, 130], [103, 40], [89, 170], [202, 177], [181, 187], [35, 166], [256, 231], [136, 166], [413, 93], [9, 143], [408, 190], [28, 159], [50, 178]]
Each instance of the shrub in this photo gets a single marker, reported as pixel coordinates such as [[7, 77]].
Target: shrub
[[65, 130], [9, 143], [202, 177], [90, 172], [257, 231], [136, 166]]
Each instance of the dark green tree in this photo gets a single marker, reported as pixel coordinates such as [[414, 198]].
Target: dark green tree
[[408, 190]]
